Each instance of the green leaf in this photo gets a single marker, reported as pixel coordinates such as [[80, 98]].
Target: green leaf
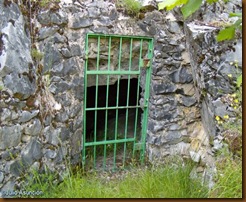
[[190, 7], [238, 23], [226, 34], [235, 15], [211, 1], [170, 4], [239, 80]]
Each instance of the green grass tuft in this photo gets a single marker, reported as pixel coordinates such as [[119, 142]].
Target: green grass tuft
[[229, 179], [154, 182], [132, 7]]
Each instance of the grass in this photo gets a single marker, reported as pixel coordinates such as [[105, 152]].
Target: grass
[[229, 180], [229, 164], [160, 182], [153, 182], [171, 180], [132, 7]]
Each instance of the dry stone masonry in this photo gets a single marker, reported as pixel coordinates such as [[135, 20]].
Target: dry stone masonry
[[42, 83]]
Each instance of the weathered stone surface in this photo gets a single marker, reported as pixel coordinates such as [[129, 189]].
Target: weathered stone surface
[[25, 138], [62, 117], [64, 99], [81, 22], [49, 17], [78, 122], [16, 168], [197, 29], [220, 109], [188, 101], [66, 52], [7, 189], [10, 136], [6, 115], [52, 135], [10, 153], [1, 177], [35, 166], [75, 50], [217, 145], [208, 118], [181, 76], [187, 89], [34, 128], [195, 156], [160, 114], [51, 57], [71, 65], [180, 149], [46, 32], [31, 152], [75, 111], [173, 27], [15, 55], [153, 139], [161, 88], [174, 127], [62, 152], [76, 142], [211, 72], [51, 154], [236, 55], [57, 38], [93, 12], [21, 87], [172, 136], [27, 116], [59, 18], [14, 102], [47, 120], [154, 153], [59, 87], [65, 133]]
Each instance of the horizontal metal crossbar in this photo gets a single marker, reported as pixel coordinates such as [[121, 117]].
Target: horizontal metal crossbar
[[113, 72], [94, 35], [107, 58], [109, 142], [108, 108]]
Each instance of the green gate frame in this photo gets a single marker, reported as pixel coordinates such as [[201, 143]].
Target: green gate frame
[[145, 64]]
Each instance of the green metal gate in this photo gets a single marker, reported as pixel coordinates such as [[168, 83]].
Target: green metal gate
[[110, 60]]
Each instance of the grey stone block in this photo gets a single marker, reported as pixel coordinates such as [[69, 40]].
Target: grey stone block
[[10, 136], [31, 152]]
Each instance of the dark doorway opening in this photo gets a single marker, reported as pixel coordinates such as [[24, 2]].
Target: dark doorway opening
[[114, 98]]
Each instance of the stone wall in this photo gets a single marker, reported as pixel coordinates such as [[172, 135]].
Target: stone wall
[[41, 86], [215, 69]]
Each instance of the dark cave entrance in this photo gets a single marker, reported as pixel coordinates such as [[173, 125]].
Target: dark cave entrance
[[107, 118]]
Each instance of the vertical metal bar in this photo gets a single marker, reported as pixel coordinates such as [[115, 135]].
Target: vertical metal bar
[[96, 101], [85, 101], [138, 86], [146, 99], [117, 103], [106, 113], [127, 102], [146, 96]]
